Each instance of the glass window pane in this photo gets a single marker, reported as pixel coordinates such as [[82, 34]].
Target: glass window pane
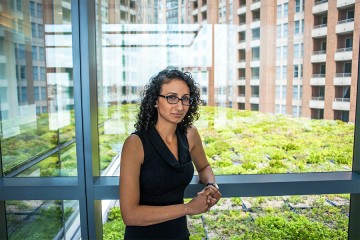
[[313, 217], [220, 57], [37, 110], [39, 219]]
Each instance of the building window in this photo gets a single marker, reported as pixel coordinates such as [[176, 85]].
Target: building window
[[23, 94], [278, 30], [255, 33], [36, 94], [284, 53], [284, 72], [297, 27], [43, 93], [296, 71], [255, 53], [35, 73], [296, 50], [34, 53], [255, 73], [285, 30], [278, 72], [32, 9], [22, 72], [285, 14], [279, 11]]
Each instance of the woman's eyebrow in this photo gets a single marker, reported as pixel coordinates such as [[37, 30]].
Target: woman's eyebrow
[[174, 93]]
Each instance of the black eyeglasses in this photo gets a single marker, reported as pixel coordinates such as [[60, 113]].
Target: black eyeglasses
[[172, 99]]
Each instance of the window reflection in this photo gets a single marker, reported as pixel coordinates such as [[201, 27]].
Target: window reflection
[[36, 86], [38, 219], [246, 62]]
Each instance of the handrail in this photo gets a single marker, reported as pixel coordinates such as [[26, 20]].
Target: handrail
[[346, 20], [243, 185], [343, 74], [348, 49], [320, 2], [320, 98], [318, 75], [342, 99], [319, 52], [320, 25]]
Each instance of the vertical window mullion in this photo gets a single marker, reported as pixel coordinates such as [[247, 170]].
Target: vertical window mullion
[[83, 28], [354, 211]]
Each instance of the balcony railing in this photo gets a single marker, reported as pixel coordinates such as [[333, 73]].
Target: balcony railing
[[320, 26], [319, 52], [342, 99], [343, 74], [320, 2], [318, 75], [348, 49], [346, 21], [254, 95], [320, 98]]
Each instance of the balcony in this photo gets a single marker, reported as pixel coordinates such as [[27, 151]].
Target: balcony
[[241, 64], [342, 104], [195, 12], [345, 26], [241, 81], [317, 102], [241, 44], [318, 56], [241, 27], [241, 9], [342, 79], [343, 54], [241, 99], [254, 99], [317, 80], [255, 5], [320, 7], [255, 42], [319, 31], [203, 8], [344, 3], [255, 23], [255, 62], [255, 82]]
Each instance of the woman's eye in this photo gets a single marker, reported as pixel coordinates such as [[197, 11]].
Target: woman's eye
[[172, 97], [186, 98]]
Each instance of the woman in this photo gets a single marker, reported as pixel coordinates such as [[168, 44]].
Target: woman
[[157, 161]]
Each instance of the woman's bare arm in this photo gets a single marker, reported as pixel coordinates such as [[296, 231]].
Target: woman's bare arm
[[132, 212], [202, 165]]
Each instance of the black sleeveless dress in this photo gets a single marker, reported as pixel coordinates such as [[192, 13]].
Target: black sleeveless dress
[[163, 180]]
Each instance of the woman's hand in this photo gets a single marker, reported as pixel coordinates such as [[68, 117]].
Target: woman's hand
[[198, 204], [213, 195]]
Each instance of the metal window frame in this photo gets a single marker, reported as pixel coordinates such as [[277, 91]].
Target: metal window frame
[[89, 188]]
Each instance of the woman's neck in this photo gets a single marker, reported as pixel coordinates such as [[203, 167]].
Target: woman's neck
[[167, 132]]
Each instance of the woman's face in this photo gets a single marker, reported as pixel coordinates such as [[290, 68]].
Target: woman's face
[[173, 113]]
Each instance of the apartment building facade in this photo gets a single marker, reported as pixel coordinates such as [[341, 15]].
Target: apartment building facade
[[291, 58]]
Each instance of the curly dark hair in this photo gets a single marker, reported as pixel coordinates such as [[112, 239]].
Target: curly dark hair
[[148, 114]]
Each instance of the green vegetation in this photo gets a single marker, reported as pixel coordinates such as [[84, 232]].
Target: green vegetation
[[235, 142], [36, 219]]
